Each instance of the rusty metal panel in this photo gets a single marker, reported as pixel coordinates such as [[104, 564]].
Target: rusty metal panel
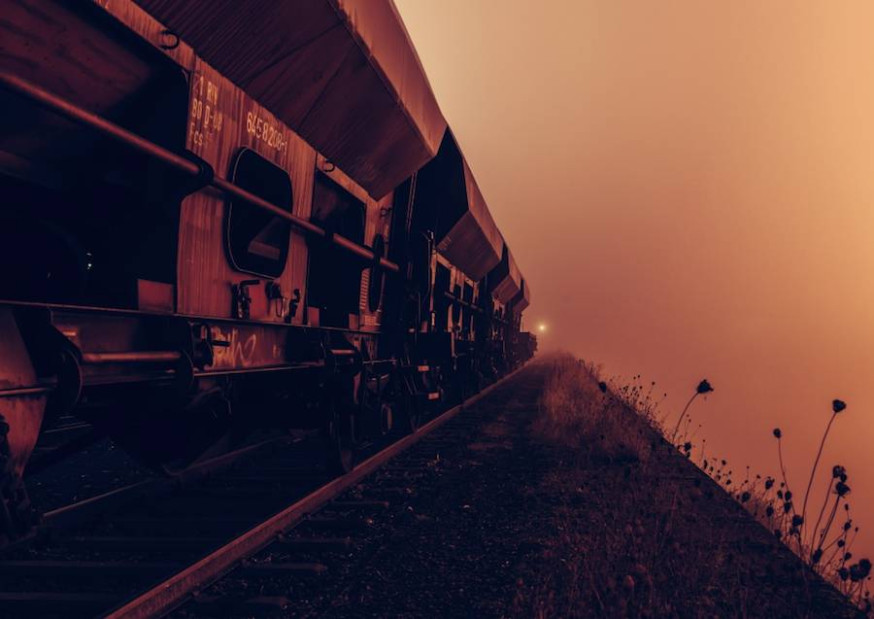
[[505, 280], [341, 73], [223, 119], [134, 18], [77, 60], [65, 52]]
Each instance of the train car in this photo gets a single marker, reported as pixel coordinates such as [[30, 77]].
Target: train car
[[453, 243], [216, 221], [524, 342]]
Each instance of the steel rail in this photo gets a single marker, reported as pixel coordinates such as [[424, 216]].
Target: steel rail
[[183, 164], [16, 392], [81, 511], [157, 356], [167, 595]]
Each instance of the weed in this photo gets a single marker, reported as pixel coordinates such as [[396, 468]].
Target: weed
[[825, 546], [577, 409], [702, 389]]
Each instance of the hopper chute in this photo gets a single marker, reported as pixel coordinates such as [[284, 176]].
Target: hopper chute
[[448, 197], [523, 299], [505, 280], [341, 73]]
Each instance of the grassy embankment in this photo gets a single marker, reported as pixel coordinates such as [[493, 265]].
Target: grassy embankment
[[677, 542]]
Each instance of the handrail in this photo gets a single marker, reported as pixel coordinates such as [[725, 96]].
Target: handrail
[[109, 129]]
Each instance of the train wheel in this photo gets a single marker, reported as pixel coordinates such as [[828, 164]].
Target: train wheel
[[410, 413], [340, 435], [386, 417], [17, 517]]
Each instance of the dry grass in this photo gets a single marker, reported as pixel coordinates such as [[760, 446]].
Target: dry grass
[[653, 529], [577, 410]]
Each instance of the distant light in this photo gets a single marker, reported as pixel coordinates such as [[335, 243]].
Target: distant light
[[541, 327]]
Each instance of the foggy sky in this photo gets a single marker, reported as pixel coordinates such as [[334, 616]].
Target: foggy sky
[[688, 188]]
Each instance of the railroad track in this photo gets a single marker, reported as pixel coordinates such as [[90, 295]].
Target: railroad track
[[151, 547]]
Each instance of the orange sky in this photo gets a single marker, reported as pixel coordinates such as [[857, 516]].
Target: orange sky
[[688, 186]]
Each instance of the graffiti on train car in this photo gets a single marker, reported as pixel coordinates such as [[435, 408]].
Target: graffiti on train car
[[246, 348], [240, 351]]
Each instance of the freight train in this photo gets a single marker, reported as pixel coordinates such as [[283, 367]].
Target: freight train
[[223, 215]]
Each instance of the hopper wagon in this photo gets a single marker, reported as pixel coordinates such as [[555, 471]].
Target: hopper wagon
[[221, 217]]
